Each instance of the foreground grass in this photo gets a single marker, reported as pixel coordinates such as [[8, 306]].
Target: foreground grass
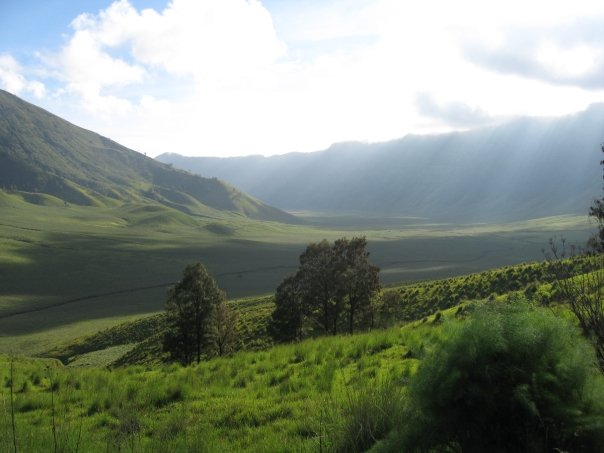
[[342, 394], [281, 399]]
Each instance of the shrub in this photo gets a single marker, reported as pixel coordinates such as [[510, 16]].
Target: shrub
[[513, 378]]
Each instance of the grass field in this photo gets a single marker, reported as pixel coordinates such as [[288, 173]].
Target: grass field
[[66, 271], [285, 399]]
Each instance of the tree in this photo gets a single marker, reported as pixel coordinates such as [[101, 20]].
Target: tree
[[316, 284], [358, 279], [190, 310], [286, 320], [389, 308], [225, 326], [332, 288]]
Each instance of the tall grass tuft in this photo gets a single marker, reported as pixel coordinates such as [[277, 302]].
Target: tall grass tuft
[[366, 415]]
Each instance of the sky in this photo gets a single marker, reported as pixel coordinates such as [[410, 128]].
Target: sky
[[239, 77]]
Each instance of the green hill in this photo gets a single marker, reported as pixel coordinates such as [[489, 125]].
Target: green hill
[[41, 153]]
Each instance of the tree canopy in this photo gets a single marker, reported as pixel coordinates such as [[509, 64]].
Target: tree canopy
[[331, 292]]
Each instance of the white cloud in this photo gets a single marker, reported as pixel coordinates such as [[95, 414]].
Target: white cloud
[[225, 77], [207, 49], [211, 40], [13, 80]]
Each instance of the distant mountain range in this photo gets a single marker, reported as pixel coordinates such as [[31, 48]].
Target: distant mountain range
[[527, 168], [44, 154]]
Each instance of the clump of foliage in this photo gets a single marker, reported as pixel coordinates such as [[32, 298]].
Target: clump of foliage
[[331, 291], [513, 378]]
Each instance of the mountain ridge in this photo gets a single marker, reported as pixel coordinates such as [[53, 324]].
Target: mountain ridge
[[525, 168]]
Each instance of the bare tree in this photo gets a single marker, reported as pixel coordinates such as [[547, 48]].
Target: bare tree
[[580, 280], [225, 320]]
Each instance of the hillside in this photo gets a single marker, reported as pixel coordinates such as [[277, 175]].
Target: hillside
[[338, 393], [527, 168], [139, 342], [43, 154]]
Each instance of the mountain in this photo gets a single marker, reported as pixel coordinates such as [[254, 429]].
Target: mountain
[[44, 154], [526, 168]]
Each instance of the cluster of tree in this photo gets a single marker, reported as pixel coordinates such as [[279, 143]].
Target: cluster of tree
[[331, 292], [199, 321]]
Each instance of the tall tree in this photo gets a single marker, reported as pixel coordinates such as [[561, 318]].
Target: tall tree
[[358, 278], [317, 286], [190, 310]]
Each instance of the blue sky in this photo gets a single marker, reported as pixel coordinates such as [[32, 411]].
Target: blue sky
[[236, 77]]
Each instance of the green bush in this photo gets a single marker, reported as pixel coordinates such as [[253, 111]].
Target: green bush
[[514, 378]]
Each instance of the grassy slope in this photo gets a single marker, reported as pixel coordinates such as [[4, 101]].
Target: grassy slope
[[272, 400], [73, 270], [41, 153]]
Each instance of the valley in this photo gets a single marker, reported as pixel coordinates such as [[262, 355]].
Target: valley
[[69, 271]]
